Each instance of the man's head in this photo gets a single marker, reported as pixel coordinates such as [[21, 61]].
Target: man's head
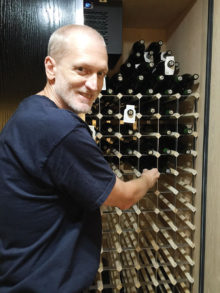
[[75, 67]]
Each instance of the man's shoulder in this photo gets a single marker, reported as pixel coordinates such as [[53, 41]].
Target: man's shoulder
[[38, 120], [40, 111]]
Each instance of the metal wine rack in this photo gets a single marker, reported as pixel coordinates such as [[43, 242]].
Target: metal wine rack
[[150, 247]]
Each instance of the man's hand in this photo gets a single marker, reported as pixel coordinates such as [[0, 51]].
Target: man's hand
[[150, 176], [125, 194]]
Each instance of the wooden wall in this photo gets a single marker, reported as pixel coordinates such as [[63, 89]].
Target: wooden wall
[[188, 40], [25, 30]]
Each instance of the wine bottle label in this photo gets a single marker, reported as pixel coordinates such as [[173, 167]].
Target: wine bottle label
[[104, 84], [169, 65], [148, 57], [129, 114], [92, 128]]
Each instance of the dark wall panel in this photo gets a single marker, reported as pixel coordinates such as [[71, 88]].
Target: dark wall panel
[[25, 27]]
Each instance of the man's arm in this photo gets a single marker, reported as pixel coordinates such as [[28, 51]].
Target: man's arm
[[125, 194]]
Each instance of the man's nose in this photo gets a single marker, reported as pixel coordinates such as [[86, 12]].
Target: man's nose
[[92, 82]]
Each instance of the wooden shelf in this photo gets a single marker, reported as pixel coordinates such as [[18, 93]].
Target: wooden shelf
[[150, 13]]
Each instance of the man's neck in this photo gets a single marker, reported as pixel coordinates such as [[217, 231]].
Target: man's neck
[[50, 94]]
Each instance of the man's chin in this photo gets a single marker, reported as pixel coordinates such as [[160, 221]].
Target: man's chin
[[82, 109]]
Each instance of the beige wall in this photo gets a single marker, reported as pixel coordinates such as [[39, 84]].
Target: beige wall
[[187, 38], [212, 259]]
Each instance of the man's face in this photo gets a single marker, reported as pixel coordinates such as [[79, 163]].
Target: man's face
[[79, 74]]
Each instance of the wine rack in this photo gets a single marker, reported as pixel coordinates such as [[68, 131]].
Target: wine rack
[[150, 247]]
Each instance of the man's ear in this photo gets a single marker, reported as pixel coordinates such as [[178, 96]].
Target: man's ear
[[50, 68]]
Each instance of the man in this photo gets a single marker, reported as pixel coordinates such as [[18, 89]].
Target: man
[[53, 177]]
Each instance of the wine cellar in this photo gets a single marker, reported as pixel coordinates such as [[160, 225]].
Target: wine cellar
[[149, 248], [159, 108], [152, 246]]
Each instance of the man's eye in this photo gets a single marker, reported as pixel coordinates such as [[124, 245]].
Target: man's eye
[[101, 74], [81, 70]]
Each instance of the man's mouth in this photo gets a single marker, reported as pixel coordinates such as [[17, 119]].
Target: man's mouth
[[87, 96]]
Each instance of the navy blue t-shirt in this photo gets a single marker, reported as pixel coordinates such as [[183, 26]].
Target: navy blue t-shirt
[[53, 179]]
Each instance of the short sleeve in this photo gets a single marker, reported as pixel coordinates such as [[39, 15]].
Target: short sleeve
[[77, 168]]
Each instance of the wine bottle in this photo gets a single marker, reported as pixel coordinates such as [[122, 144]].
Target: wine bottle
[[109, 107], [109, 91], [153, 152], [168, 112], [188, 80], [148, 107], [155, 47], [147, 144], [174, 82], [126, 129], [148, 56], [116, 83], [137, 83], [185, 129], [105, 85], [128, 147], [128, 100], [106, 147], [168, 108], [148, 162], [136, 57], [127, 68], [109, 102], [110, 110], [162, 88], [144, 68], [161, 56], [129, 91], [167, 129], [185, 92], [129, 160], [177, 67], [145, 129], [109, 127], [160, 68], [95, 108], [153, 83], [167, 165], [138, 46], [185, 86], [167, 145], [185, 145], [148, 92]]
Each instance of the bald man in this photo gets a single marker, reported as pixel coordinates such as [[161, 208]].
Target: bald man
[[53, 177]]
